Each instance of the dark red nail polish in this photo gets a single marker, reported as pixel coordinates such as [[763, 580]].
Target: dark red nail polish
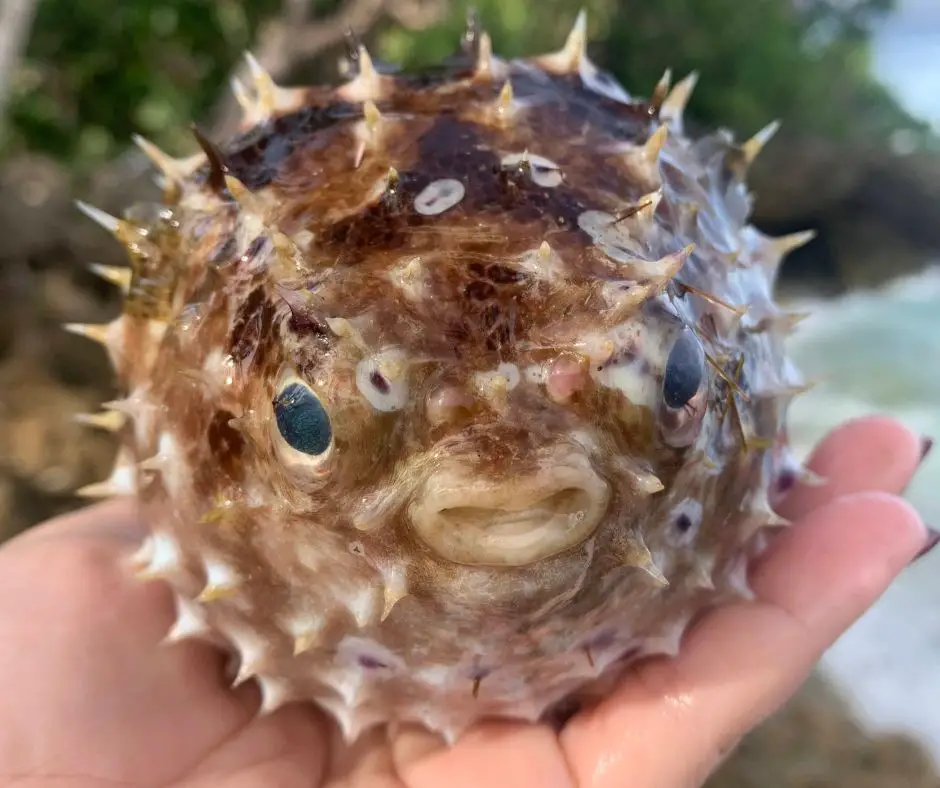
[[926, 444], [933, 539]]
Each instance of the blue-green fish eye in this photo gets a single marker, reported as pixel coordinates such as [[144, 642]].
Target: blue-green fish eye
[[685, 370], [302, 420]]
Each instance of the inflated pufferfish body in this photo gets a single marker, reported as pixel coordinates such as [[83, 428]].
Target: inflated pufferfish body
[[450, 396]]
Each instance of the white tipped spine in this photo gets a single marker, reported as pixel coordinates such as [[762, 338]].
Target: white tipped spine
[[221, 582], [572, 57], [252, 655], [274, 694], [164, 557], [758, 142], [118, 276], [673, 108], [109, 420], [190, 622], [102, 218]]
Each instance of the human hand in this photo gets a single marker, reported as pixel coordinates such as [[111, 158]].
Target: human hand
[[89, 699]]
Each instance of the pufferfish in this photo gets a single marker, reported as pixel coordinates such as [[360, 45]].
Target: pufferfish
[[449, 396]]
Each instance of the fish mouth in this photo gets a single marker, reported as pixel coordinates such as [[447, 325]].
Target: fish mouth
[[510, 522]]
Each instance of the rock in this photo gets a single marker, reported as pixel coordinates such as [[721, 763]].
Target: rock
[[34, 205], [813, 742], [875, 210], [799, 176]]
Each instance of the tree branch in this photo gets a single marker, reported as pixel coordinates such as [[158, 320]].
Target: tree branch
[[417, 14], [283, 42], [16, 19]]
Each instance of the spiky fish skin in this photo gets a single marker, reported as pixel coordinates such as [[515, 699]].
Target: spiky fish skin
[[450, 396]]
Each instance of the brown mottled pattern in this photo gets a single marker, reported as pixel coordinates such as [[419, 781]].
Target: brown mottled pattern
[[509, 510]]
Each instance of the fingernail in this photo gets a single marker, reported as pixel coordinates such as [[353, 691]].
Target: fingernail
[[933, 539], [926, 445]]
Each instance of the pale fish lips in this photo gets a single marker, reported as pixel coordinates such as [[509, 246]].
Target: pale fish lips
[[510, 522]]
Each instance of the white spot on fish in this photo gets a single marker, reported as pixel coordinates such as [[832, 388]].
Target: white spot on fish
[[686, 519], [535, 373], [382, 380], [369, 654], [508, 373], [544, 172], [631, 380], [439, 196]]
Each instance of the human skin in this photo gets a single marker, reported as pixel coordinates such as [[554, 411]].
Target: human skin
[[89, 698]]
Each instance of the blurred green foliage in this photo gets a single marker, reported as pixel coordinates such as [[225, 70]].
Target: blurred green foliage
[[97, 70]]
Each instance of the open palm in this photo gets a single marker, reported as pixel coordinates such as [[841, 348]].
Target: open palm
[[89, 699]]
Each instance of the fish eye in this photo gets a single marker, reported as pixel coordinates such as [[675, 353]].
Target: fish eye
[[684, 391], [685, 370], [302, 420]]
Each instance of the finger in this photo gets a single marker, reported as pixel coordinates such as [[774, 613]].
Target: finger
[[671, 720], [870, 453], [115, 520], [285, 748], [491, 754], [88, 659]]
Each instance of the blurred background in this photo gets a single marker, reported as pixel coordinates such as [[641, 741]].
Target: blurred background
[[856, 84]]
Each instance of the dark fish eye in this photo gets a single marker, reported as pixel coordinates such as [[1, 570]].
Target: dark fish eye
[[685, 370], [302, 420]]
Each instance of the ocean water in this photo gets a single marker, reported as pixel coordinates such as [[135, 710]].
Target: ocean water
[[880, 352]]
